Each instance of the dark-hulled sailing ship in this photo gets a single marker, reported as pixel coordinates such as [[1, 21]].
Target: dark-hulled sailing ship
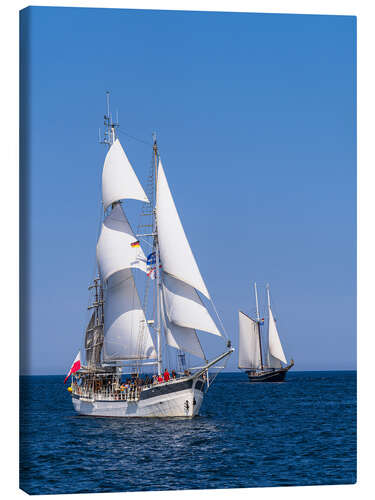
[[250, 352]]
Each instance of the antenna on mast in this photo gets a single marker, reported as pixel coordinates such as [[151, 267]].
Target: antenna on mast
[[109, 125]]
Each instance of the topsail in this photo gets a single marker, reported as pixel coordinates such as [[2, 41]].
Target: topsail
[[119, 180], [114, 251]]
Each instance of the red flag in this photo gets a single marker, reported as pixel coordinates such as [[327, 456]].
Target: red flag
[[75, 366]]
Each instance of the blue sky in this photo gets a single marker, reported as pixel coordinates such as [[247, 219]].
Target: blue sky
[[255, 117]]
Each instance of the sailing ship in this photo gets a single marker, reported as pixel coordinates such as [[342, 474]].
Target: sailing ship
[[123, 374], [250, 350]]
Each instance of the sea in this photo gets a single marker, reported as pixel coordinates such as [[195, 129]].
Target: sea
[[298, 432]]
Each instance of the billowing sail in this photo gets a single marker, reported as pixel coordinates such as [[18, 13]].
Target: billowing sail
[[185, 339], [126, 332], [184, 307], [114, 251], [119, 180], [176, 256], [276, 353], [93, 341], [249, 348]]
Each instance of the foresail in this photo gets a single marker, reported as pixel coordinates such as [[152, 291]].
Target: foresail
[[184, 339], [274, 344], [249, 348], [273, 362], [184, 307], [176, 256], [126, 332], [119, 180], [114, 251]]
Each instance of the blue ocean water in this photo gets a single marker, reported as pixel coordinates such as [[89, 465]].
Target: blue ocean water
[[299, 432]]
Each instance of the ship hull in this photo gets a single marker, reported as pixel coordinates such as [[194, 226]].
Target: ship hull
[[277, 375], [179, 399]]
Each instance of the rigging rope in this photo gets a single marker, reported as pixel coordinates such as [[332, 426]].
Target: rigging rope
[[222, 324], [135, 138]]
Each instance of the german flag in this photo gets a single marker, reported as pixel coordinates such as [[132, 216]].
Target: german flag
[[135, 244]]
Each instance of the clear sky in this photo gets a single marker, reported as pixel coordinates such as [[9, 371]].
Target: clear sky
[[255, 118]]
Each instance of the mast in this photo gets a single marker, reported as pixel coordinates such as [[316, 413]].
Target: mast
[[269, 309], [109, 139], [157, 270], [109, 126], [258, 323]]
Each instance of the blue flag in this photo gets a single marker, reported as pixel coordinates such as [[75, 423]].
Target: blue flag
[[151, 259]]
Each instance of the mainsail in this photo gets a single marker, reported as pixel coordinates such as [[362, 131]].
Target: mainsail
[[276, 354], [249, 347]]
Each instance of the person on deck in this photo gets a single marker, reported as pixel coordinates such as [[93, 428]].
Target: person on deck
[[160, 379], [166, 375], [173, 374]]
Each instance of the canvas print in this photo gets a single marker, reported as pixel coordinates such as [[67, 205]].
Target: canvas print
[[188, 250]]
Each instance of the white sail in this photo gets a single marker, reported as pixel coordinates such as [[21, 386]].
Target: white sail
[[185, 339], [184, 306], [114, 251], [175, 252], [273, 362], [126, 332], [119, 180], [249, 348], [274, 344]]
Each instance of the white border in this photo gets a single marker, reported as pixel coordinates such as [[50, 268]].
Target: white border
[[9, 252]]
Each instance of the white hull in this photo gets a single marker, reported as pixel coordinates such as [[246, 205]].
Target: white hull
[[180, 403]]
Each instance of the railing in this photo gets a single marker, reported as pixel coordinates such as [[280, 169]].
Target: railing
[[116, 393], [130, 394]]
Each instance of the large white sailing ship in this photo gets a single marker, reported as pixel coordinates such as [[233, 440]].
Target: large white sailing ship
[[123, 349]]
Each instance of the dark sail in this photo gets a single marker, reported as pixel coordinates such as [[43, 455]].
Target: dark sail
[[93, 341]]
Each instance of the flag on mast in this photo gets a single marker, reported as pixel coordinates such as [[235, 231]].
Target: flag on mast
[[75, 366]]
